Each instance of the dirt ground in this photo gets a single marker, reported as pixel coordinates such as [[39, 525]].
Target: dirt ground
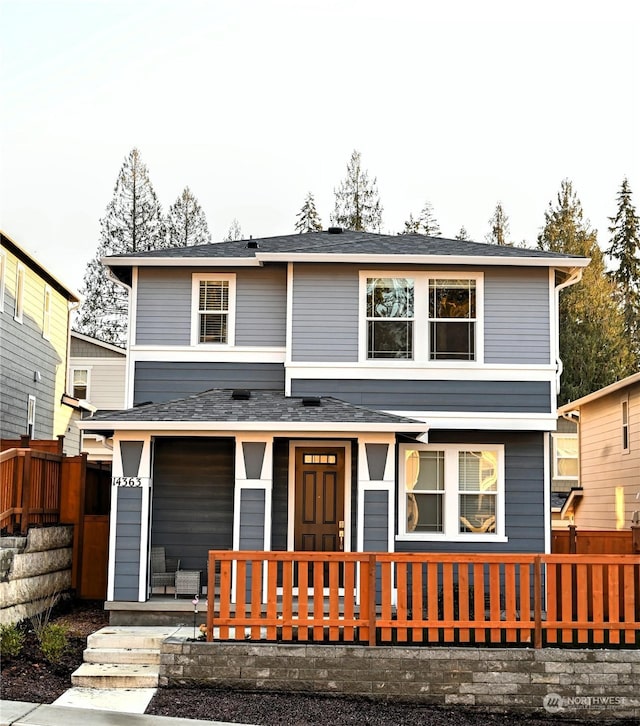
[[29, 677]]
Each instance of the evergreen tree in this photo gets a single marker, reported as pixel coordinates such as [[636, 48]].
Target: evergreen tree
[[426, 223], [187, 222], [498, 227], [593, 348], [357, 202], [234, 233], [624, 249], [308, 218], [133, 223], [463, 234]]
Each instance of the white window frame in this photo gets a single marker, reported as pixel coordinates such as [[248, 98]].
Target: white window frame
[[625, 432], [196, 279], [72, 373], [19, 296], [451, 502], [46, 312], [556, 475], [3, 274], [31, 416], [421, 351]]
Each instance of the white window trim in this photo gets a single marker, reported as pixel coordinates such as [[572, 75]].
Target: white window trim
[[451, 494], [3, 274], [196, 279], [420, 280], [556, 475], [71, 380], [19, 295], [46, 312], [624, 405]]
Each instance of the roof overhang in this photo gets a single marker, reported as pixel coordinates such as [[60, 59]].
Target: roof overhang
[[100, 343], [571, 502], [572, 406], [78, 403]]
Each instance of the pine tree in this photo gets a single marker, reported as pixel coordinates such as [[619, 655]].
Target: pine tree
[[593, 348], [463, 234], [357, 202], [498, 227], [308, 219], [187, 222], [133, 223], [235, 232], [624, 249], [426, 223]]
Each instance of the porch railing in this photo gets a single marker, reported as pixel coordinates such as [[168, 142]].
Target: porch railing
[[426, 599]]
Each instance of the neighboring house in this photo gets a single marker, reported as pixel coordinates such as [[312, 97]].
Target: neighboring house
[[334, 390], [609, 443], [564, 467], [34, 338], [97, 372]]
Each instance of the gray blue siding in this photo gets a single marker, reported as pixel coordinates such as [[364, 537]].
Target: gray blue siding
[[164, 306], [376, 521], [516, 314], [157, 381], [252, 509], [408, 395], [128, 532]]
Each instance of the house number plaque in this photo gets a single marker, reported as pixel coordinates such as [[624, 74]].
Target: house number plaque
[[126, 481]]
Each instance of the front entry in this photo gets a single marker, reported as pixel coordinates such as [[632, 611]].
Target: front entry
[[319, 499]]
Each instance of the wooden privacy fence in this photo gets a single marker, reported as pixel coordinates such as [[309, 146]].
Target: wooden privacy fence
[[572, 541], [424, 599]]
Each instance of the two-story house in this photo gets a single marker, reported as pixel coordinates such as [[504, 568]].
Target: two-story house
[[334, 390], [34, 342]]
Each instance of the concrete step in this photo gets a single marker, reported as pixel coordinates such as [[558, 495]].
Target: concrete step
[[134, 656], [115, 675], [122, 637]]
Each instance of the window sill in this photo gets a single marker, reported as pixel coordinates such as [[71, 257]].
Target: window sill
[[468, 538]]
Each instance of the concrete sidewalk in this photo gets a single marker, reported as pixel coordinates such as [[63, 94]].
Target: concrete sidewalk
[[20, 713]]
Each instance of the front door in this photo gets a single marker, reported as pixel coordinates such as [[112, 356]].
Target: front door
[[319, 499]]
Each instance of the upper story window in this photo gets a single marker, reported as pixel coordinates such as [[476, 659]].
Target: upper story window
[[46, 315], [421, 317], [565, 458], [625, 425], [451, 491], [3, 272], [389, 317], [80, 383], [452, 319], [19, 309], [213, 309]]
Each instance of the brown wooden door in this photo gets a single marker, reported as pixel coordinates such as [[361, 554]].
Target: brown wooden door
[[319, 499]]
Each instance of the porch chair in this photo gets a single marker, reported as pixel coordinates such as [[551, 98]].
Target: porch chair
[[163, 569]]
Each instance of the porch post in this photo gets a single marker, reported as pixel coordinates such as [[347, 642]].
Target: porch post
[[376, 487], [253, 492]]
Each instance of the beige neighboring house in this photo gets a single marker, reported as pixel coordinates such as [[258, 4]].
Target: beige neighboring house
[[608, 497], [97, 372]]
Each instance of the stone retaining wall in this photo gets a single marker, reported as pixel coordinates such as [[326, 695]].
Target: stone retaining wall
[[576, 683], [38, 573]]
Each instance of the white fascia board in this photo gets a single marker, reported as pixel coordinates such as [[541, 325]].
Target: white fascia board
[[611, 388], [99, 343], [475, 420], [228, 428], [181, 262], [466, 260], [217, 353]]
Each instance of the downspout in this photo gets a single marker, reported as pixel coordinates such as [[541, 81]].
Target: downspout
[[575, 276]]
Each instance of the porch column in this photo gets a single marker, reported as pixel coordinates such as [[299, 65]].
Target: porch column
[[129, 522], [376, 487], [253, 491]]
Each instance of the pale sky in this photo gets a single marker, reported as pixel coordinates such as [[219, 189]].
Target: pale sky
[[253, 103]]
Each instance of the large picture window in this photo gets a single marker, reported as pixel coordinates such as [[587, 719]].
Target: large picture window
[[389, 317], [451, 492], [213, 309]]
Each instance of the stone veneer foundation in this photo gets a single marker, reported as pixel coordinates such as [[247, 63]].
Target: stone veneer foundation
[[577, 683]]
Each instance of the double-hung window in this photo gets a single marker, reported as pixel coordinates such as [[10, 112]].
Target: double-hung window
[[213, 309], [389, 317], [625, 425], [19, 304], [424, 317], [80, 383], [565, 459], [451, 491]]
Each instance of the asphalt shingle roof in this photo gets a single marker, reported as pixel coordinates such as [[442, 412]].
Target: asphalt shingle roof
[[347, 242], [218, 405]]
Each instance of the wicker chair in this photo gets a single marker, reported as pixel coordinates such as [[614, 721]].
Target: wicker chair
[[163, 569]]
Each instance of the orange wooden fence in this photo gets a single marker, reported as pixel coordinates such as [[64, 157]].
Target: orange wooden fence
[[457, 599]]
